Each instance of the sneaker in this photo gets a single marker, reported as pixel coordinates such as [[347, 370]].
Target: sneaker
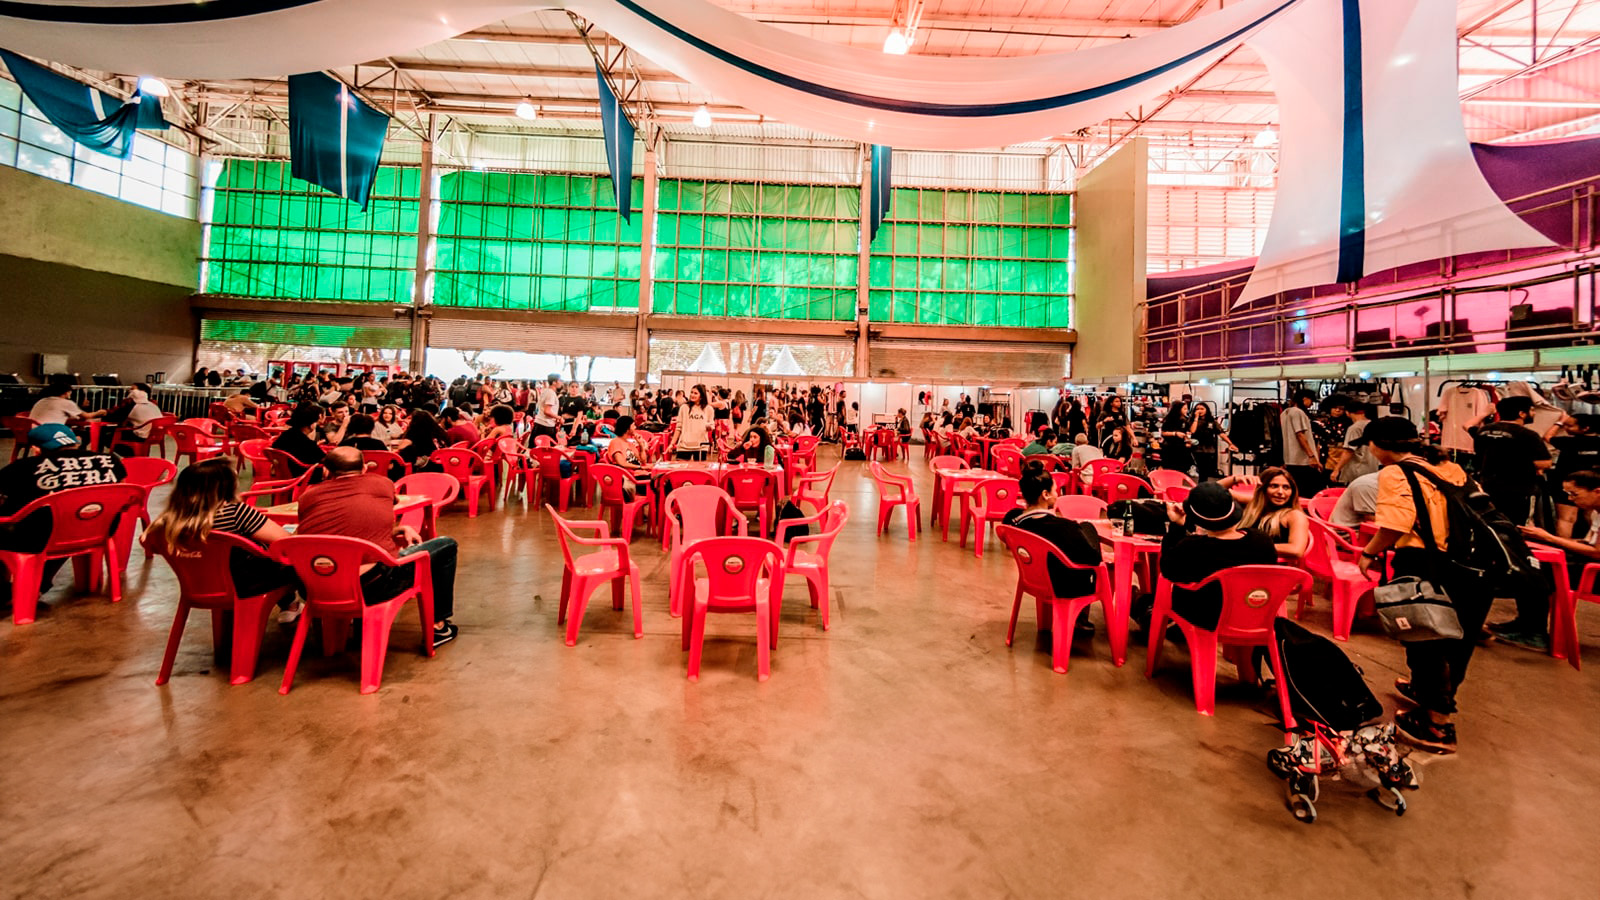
[[444, 634], [1416, 729], [288, 616], [1406, 691], [1512, 633]]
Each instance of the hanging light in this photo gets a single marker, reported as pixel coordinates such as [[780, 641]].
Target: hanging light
[[526, 109], [155, 87], [1266, 137], [896, 43], [702, 117]]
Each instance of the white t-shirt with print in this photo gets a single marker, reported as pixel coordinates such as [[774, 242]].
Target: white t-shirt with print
[[55, 411]]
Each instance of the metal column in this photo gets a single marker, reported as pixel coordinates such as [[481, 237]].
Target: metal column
[[863, 263], [420, 301], [647, 240]]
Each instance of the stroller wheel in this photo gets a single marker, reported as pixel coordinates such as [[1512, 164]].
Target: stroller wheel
[[1278, 761], [1304, 783], [1302, 807], [1389, 798]]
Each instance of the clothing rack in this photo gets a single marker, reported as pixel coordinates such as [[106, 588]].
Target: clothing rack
[[1477, 383]]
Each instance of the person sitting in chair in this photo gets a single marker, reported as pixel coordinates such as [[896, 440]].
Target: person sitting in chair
[[353, 503], [1078, 541]]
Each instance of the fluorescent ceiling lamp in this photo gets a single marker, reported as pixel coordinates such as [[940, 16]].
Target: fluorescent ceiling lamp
[[702, 117], [526, 110], [155, 87], [896, 43]]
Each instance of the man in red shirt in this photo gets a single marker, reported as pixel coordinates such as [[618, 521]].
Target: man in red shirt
[[353, 503], [458, 427]]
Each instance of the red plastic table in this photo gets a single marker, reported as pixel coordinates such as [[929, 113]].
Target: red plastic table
[[945, 482], [1126, 550]]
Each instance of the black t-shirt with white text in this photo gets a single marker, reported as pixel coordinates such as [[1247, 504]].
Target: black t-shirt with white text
[[32, 477]]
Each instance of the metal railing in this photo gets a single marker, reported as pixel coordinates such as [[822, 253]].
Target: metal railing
[[1424, 309], [179, 400]]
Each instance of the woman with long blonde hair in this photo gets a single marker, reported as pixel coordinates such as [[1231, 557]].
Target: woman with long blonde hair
[[1274, 510]]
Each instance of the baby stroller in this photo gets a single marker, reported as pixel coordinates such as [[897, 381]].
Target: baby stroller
[[1336, 732]]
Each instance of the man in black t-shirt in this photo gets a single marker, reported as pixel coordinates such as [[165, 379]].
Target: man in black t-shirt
[[61, 464], [1577, 446], [1510, 458]]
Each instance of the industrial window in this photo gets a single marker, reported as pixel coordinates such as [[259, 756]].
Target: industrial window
[[536, 241], [275, 236], [953, 257], [778, 251]]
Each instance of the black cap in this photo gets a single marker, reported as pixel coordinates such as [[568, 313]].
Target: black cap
[[1212, 507]]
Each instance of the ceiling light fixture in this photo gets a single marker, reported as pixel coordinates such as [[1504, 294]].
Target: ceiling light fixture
[[1266, 137], [155, 87], [702, 117], [896, 43], [526, 110]]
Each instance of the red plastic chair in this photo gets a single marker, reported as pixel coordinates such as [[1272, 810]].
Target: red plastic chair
[[441, 491], [1163, 480], [1564, 636], [1007, 461], [191, 442], [989, 501], [609, 563], [692, 513], [1252, 596], [329, 568], [1330, 557], [1050, 462], [896, 490], [254, 452], [1080, 507], [84, 530], [671, 480], [614, 500], [754, 488], [930, 444], [384, 463], [19, 426], [467, 468], [154, 439], [742, 575], [521, 468], [148, 473], [813, 488], [1032, 555], [283, 465], [971, 451], [1321, 506], [1096, 468], [1117, 486], [244, 431], [272, 492], [205, 582], [811, 562], [548, 460]]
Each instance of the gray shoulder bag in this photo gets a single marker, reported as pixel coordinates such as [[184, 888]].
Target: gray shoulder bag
[[1418, 609]]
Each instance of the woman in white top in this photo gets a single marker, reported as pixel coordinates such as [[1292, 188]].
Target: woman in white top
[[388, 427], [694, 424]]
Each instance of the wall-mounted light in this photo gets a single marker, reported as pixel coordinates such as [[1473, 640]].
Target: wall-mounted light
[[526, 110], [702, 117]]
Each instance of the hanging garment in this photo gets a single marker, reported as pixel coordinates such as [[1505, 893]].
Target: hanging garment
[[1458, 408]]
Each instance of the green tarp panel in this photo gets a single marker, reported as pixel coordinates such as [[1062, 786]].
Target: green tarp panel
[[535, 241], [951, 257], [304, 335], [275, 237]]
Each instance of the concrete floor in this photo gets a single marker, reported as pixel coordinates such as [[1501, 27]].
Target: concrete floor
[[905, 753]]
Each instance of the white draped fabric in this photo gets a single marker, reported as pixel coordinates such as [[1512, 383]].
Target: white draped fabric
[[1415, 189], [237, 38], [917, 102], [876, 98]]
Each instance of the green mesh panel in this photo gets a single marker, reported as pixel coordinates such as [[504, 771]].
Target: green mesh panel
[[535, 241], [947, 257], [765, 250], [273, 236], [230, 331]]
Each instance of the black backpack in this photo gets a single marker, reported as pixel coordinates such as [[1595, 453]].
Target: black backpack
[[1483, 544]]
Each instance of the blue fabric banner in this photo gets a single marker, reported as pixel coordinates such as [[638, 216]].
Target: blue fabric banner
[[619, 146], [91, 117], [335, 140], [881, 158]]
